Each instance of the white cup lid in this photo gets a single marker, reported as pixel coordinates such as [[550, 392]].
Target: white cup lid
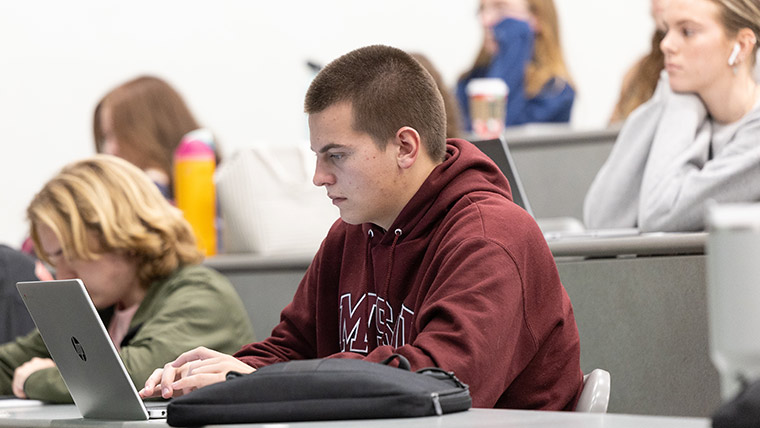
[[488, 86]]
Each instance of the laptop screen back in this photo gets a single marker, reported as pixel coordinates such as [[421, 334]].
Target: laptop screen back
[[497, 150], [82, 350]]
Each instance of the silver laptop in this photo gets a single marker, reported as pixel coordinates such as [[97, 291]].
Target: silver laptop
[[83, 351], [497, 150]]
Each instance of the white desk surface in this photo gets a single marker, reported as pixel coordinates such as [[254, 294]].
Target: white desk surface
[[646, 244], [68, 416]]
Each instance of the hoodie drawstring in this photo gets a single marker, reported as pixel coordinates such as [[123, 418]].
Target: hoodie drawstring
[[398, 233], [370, 275], [372, 326]]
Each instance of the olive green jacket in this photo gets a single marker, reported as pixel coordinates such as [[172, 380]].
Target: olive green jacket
[[195, 306]]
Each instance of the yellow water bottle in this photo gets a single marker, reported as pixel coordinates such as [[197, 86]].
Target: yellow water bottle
[[194, 189]]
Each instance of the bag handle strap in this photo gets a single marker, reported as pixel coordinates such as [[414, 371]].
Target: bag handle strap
[[442, 374], [403, 363], [233, 375]]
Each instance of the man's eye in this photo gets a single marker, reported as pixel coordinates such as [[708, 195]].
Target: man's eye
[[336, 156]]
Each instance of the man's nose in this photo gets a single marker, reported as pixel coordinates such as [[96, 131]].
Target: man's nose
[[322, 177]]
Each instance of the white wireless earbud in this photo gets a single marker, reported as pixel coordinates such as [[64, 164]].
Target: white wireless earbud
[[734, 54]]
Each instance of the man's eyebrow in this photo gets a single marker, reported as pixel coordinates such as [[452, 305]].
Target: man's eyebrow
[[330, 147]]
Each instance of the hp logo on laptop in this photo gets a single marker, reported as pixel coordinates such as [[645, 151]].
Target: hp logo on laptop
[[78, 348]]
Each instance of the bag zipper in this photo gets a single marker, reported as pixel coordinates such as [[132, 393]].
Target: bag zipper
[[451, 399], [437, 404]]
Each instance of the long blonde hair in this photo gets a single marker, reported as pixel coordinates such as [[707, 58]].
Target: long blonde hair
[[641, 81], [110, 199], [548, 61], [738, 14]]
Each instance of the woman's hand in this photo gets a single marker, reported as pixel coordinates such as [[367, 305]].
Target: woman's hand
[[25, 370], [494, 12]]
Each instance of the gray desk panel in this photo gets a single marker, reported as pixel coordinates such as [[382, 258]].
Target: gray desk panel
[[645, 321], [265, 294], [642, 315], [67, 416], [265, 284]]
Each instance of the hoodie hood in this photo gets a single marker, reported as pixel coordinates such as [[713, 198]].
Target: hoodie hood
[[465, 170]]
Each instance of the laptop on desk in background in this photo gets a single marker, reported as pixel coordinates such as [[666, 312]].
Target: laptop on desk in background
[[497, 150], [553, 228], [83, 351]]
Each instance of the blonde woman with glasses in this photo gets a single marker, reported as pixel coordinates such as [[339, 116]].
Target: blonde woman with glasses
[[102, 220]]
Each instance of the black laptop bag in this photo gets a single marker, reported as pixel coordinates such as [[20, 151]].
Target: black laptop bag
[[322, 389]]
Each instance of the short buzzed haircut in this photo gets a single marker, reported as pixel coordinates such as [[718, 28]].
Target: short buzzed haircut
[[387, 89]]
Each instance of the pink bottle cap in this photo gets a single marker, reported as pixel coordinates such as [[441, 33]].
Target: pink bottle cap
[[193, 149]]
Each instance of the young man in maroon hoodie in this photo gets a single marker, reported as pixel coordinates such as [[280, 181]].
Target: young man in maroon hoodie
[[431, 259]]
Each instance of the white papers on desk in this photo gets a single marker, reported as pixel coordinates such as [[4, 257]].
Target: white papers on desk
[[7, 403]]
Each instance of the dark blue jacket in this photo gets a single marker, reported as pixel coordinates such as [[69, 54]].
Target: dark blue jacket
[[552, 104]]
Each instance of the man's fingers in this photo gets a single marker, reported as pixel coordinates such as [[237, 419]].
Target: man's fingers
[[221, 365], [210, 365], [196, 381], [205, 366], [154, 391], [200, 353], [159, 377], [153, 379], [169, 375]]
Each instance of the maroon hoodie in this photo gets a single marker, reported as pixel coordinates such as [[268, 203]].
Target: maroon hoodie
[[463, 280]]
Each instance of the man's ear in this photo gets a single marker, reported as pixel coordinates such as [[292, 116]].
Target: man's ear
[[409, 146]]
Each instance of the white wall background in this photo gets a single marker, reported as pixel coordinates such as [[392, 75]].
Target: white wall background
[[240, 65]]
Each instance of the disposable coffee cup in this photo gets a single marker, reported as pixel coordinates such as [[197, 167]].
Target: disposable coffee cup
[[733, 294], [488, 106]]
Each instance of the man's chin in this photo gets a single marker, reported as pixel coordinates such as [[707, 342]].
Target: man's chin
[[350, 220]]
